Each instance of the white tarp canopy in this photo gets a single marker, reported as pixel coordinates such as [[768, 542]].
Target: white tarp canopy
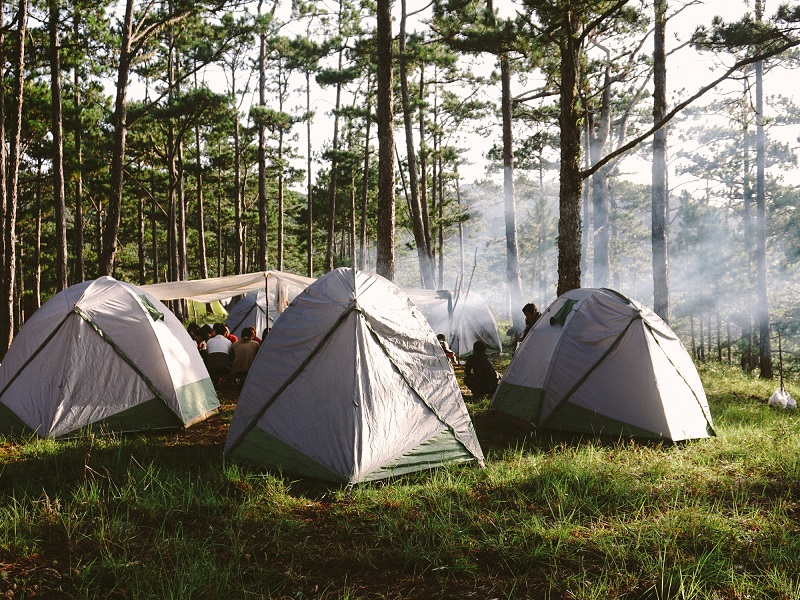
[[284, 287], [351, 386], [103, 354]]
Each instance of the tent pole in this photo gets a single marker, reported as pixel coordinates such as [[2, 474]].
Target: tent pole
[[266, 298]]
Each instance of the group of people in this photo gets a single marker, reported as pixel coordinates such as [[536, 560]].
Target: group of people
[[480, 376], [226, 356]]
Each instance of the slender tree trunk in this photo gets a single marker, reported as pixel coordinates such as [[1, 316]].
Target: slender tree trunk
[[599, 133], [334, 172], [7, 321], [281, 208], [262, 153], [423, 250], [79, 273], [385, 118], [749, 234], [140, 239], [660, 191], [569, 199], [3, 152], [238, 201], [57, 129], [513, 285], [762, 305], [362, 246], [309, 192], [112, 221], [37, 277], [154, 226], [202, 257]]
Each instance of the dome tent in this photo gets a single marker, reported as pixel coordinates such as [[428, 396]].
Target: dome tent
[[351, 386], [599, 362], [105, 355], [251, 310]]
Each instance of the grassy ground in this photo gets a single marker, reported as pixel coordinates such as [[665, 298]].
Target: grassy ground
[[552, 516]]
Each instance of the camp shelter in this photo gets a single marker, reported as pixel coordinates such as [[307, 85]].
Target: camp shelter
[[599, 362], [251, 310], [104, 355], [462, 316], [351, 386], [283, 287]]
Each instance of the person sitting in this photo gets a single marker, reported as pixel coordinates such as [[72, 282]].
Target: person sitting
[[532, 315], [451, 356], [218, 358], [479, 372], [244, 353]]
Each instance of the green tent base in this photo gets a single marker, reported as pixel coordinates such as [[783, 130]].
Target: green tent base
[[260, 448], [518, 401], [10, 424]]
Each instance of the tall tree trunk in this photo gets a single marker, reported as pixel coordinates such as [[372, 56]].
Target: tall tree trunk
[[140, 238], [7, 321], [423, 249], [334, 174], [262, 152], [57, 129], [762, 310], [154, 225], [112, 221], [281, 191], [423, 167], [569, 197], [202, 257], [79, 273], [749, 234], [238, 200], [385, 118], [362, 244], [3, 149], [309, 192], [37, 277], [599, 132], [512, 258], [660, 191]]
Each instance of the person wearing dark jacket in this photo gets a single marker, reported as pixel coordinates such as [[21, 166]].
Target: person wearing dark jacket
[[479, 373]]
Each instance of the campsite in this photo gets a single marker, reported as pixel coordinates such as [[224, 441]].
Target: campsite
[[542, 513]]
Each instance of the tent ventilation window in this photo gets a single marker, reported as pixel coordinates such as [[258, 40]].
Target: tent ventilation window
[[561, 316], [154, 313]]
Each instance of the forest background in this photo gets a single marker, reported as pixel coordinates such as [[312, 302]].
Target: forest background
[[180, 140]]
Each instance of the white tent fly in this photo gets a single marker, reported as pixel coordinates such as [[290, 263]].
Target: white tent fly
[[352, 386], [104, 355], [463, 317], [599, 362]]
